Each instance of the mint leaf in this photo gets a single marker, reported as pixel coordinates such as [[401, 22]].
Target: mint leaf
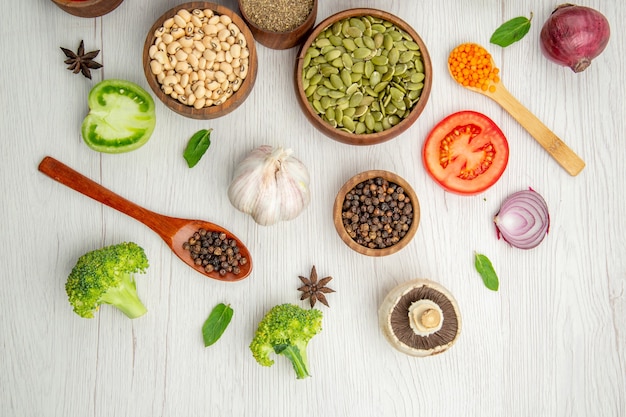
[[197, 146], [216, 323], [511, 31], [485, 269]]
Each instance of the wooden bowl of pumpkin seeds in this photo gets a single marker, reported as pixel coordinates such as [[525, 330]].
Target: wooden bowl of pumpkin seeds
[[363, 76], [200, 60]]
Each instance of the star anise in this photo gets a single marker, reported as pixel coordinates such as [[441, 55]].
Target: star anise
[[81, 61], [314, 290]]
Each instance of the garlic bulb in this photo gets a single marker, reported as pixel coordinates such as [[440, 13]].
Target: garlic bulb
[[270, 185]]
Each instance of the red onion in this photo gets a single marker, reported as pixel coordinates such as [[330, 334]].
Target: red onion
[[574, 35], [523, 220]]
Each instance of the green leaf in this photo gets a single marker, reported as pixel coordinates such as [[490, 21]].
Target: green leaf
[[485, 269], [197, 146], [216, 323], [511, 31]]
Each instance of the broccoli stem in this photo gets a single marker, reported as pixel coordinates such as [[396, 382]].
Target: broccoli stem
[[124, 297], [297, 357]]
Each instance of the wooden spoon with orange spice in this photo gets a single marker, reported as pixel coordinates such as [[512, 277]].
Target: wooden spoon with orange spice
[[473, 67]]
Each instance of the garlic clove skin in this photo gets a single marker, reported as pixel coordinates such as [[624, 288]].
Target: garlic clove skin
[[271, 185]]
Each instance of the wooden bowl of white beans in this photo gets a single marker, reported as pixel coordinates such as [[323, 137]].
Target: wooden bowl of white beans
[[200, 60]]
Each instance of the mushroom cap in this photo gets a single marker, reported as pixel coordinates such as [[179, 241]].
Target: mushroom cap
[[402, 309]]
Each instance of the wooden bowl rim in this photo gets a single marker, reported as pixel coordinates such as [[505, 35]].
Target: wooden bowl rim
[[369, 138], [354, 181], [233, 101]]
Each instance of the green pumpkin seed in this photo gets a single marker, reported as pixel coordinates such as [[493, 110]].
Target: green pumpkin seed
[[369, 42], [345, 77], [354, 32], [400, 69], [330, 113], [334, 40], [322, 42], [418, 77], [386, 124], [337, 62], [414, 86], [328, 70], [348, 44], [378, 127], [318, 106], [360, 128], [313, 51], [310, 73], [310, 90], [336, 28], [315, 80], [336, 93], [369, 68], [335, 80], [369, 121], [356, 77], [381, 86], [357, 23], [352, 88], [395, 93], [378, 40], [393, 56], [348, 123], [356, 99], [388, 75], [349, 112], [380, 60], [377, 27], [406, 57], [306, 61], [361, 53], [367, 100], [360, 111], [358, 67], [326, 102], [395, 35], [338, 115], [374, 79], [412, 45], [419, 65], [332, 54], [359, 43], [377, 115], [346, 59]]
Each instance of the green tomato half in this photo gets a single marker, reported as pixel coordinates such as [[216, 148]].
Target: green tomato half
[[121, 117]]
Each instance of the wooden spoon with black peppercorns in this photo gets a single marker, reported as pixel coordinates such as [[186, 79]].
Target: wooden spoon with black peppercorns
[[232, 261]]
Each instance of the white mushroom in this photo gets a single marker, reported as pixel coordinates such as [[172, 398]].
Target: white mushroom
[[420, 318]]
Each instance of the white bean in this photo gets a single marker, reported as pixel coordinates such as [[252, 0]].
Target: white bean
[[156, 67]]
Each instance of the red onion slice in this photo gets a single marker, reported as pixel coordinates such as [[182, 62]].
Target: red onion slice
[[523, 220]]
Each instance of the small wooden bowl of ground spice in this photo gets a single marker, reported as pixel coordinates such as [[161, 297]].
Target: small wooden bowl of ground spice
[[376, 213], [200, 60], [279, 24], [88, 8], [363, 76]]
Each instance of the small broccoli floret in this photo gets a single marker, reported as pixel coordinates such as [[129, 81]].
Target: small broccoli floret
[[106, 276], [286, 330]]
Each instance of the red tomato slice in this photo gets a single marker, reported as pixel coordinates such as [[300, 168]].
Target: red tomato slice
[[466, 153]]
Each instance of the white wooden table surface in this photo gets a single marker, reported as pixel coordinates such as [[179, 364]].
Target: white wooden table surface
[[550, 342]]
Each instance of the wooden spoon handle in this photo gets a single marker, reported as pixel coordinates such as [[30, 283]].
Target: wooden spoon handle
[[561, 153], [78, 182]]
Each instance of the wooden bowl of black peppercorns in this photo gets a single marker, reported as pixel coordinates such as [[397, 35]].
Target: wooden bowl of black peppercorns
[[376, 213]]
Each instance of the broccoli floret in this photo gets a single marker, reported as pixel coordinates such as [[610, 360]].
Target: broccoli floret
[[106, 276], [286, 330]]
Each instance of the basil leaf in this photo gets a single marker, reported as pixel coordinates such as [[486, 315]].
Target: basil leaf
[[216, 323], [197, 146], [511, 31], [485, 269]]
